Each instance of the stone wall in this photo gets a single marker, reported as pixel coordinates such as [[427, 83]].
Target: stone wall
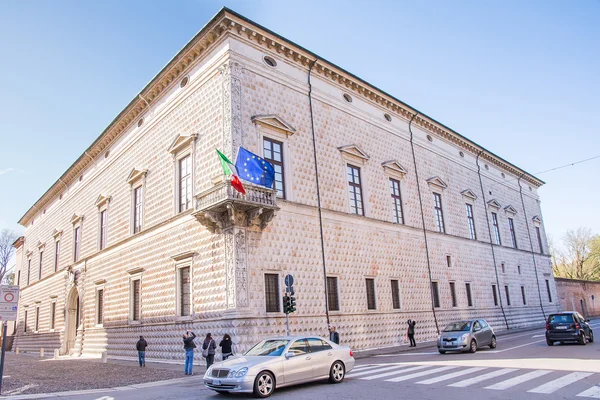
[[578, 295]]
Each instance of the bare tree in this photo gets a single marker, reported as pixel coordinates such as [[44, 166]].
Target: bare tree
[[7, 238], [579, 255]]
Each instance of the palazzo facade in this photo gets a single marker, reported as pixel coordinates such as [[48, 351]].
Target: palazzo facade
[[143, 235]]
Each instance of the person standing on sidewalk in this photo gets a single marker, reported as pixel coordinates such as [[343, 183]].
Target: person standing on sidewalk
[[333, 335], [189, 346], [411, 333], [141, 349], [225, 346], [208, 350]]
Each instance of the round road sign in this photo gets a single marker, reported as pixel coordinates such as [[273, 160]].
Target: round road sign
[[9, 297], [289, 280]]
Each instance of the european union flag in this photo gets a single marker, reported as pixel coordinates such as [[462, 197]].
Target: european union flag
[[255, 169]]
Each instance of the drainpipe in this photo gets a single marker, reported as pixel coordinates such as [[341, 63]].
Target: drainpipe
[[487, 218], [531, 244], [412, 147], [314, 142]]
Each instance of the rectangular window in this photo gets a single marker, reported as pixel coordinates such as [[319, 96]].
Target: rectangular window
[[56, 255], [519, 269], [523, 295], [396, 201], [52, 314], [185, 299], [453, 294], [135, 299], [436, 294], [100, 306], [439, 213], [332, 294], [41, 265], [449, 261], [76, 244], [539, 238], [469, 296], [355, 190], [503, 268], [137, 209], [272, 292], [497, 239], [273, 153], [395, 295], [185, 183], [513, 236], [103, 227], [507, 295], [495, 295], [471, 220], [19, 278], [37, 319], [548, 289], [371, 303], [25, 324], [28, 271]]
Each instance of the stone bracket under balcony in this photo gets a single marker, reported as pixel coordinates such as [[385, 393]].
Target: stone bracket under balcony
[[222, 207]]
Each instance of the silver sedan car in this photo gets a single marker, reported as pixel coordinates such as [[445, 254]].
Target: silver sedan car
[[466, 336], [279, 362]]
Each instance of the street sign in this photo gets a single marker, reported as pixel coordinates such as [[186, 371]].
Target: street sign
[[289, 280], [9, 301]]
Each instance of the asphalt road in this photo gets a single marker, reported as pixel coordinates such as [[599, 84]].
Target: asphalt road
[[521, 367]]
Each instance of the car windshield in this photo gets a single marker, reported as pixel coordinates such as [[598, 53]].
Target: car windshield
[[271, 348], [561, 319], [458, 326]]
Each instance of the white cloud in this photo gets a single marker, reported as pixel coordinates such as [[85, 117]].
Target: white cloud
[[7, 170]]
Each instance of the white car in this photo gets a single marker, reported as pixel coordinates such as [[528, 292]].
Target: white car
[[279, 362]]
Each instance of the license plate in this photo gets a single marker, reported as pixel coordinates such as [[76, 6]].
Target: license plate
[[561, 327], [216, 382]]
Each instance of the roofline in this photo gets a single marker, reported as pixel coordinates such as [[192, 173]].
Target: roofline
[[222, 12]]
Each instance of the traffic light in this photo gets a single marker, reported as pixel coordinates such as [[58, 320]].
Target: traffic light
[[286, 304], [292, 306]]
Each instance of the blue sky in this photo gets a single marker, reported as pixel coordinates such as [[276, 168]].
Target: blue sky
[[519, 78]]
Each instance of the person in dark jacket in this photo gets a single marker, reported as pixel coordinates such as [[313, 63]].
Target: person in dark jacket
[[333, 335], [411, 333], [208, 350], [189, 346], [225, 346], [141, 348]]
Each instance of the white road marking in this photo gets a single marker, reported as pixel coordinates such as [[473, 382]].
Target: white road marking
[[556, 384], [419, 374], [451, 376], [518, 379], [361, 373], [537, 336], [593, 392], [364, 367], [515, 347], [484, 377], [406, 354], [399, 371]]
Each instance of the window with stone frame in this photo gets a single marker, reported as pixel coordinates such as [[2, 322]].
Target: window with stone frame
[[136, 299], [28, 271], [76, 243], [56, 255], [333, 300], [41, 265], [548, 290], [371, 299], [52, 315], [435, 294], [25, 327], [137, 209], [495, 293], [19, 278], [184, 173], [539, 239], [272, 293], [507, 295], [523, 295], [469, 294], [471, 221], [497, 239], [453, 294], [396, 305], [99, 306], [439, 212], [355, 190], [37, 320], [185, 295], [398, 215], [273, 153], [513, 235], [103, 228]]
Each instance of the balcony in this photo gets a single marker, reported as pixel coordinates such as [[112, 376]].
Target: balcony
[[222, 207]]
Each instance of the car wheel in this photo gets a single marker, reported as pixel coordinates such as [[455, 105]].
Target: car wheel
[[591, 339], [337, 372], [493, 343], [549, 342], [264, 385], [473, 347], [582, 340], [442, 351]]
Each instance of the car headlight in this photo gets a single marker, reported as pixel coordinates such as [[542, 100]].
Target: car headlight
[[208, 371], [464, 337], [241, 373]]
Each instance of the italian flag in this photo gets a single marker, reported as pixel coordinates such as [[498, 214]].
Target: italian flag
[[228, 169]]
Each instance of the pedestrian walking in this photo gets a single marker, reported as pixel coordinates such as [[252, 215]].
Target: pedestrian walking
[[141, 349], [226, 346], [208, 350], [411, 333], [189, 346], [333, 335]]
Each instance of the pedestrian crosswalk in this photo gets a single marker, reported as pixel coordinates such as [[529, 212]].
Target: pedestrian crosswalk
[[532, 381]]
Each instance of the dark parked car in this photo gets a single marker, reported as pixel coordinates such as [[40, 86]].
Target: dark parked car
[[568, 326], [466, 335]]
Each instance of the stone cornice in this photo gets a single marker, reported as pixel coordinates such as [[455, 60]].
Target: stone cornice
[[228, 22], [19, 242]]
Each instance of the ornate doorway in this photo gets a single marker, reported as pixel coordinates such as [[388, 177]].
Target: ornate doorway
[[71, 320]]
